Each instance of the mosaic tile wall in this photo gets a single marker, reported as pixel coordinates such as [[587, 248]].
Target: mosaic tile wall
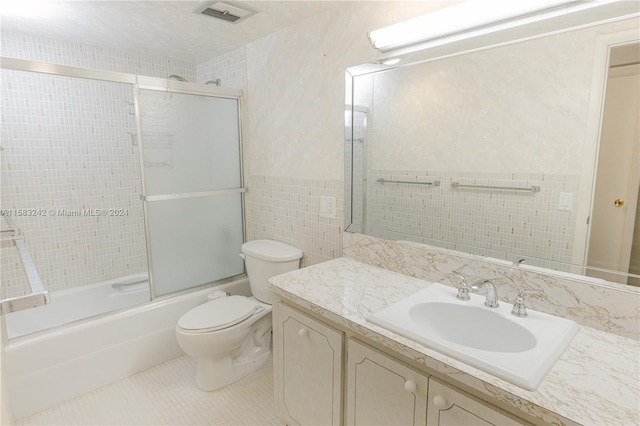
[[288, 210], [230, 68], [522, 222], [69, 158], [70, 146], [77, 54]]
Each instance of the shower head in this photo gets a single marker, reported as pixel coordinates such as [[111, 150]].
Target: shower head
[[178, 78], [217, 82]]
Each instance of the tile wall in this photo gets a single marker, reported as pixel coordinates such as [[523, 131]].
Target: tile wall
[[288, 210], [70, 157], [69, 147], [526, 223], [230, 68], [77, 54]]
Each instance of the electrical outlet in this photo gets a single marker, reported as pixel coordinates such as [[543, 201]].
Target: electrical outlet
[[328, 207], [565, 201]]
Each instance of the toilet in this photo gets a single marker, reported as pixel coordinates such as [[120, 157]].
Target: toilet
[[231, 335]]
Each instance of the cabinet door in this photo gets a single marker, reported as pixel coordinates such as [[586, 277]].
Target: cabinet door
[[308, 369], [381, 391], [448, 407]]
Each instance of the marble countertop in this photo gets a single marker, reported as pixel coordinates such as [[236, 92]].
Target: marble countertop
[[595, 382]]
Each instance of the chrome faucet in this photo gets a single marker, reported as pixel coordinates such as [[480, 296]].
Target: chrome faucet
[[492, 293]]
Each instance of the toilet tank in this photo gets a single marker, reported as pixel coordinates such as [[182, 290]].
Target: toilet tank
[[265, 259]]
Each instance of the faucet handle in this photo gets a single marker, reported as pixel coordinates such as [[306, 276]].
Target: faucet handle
[[519, 308], [463, 290], [519, 261]]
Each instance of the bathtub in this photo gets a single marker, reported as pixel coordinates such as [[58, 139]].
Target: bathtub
[[76, 304], [49, 367]]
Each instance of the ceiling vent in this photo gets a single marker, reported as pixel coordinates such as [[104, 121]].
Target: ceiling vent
[[230, 11]]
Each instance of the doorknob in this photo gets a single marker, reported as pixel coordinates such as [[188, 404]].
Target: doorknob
[[618, 203]]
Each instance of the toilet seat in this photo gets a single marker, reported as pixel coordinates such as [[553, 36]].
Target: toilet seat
[[217, 314]]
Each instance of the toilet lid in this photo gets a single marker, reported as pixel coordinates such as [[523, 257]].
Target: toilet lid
[[217, 314]]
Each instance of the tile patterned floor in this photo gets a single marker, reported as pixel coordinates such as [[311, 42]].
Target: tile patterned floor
[[167, 395]]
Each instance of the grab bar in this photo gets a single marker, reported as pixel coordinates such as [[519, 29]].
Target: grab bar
[[39, 296], [503, 188], [434, 183]]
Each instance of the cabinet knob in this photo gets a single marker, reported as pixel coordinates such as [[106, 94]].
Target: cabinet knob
[[302, 332], [439, 401], [410, 386]]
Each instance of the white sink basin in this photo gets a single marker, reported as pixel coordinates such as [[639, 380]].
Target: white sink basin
[[477, 327], [519, 350]]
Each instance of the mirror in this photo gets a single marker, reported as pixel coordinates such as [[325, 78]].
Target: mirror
[[494, 151]]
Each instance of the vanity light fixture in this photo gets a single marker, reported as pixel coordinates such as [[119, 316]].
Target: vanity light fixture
[[479, 16]]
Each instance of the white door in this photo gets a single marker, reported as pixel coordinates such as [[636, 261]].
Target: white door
[[618, 176]]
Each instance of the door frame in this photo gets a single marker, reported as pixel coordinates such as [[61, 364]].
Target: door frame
[[595, 114]]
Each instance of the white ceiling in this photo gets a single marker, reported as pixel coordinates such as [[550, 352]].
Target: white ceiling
[[159, 28]]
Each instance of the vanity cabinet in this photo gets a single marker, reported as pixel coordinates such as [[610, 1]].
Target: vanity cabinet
[[308, 369], [382, 391], [449, 407], [378, 389]]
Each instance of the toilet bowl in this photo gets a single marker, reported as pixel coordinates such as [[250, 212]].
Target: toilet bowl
[[231, 335]]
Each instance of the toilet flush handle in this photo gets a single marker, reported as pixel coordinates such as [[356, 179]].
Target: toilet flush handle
[[242, 255]]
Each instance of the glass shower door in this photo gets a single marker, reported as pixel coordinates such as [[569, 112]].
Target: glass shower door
[[192, 188]]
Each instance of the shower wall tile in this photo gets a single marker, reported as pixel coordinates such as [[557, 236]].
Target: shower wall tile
[[70, 180], [78, 54], [288, 210], [70, 145], [230, 68]]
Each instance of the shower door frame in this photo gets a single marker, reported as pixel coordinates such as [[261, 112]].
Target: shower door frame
[[138, 82], [174, 86]]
